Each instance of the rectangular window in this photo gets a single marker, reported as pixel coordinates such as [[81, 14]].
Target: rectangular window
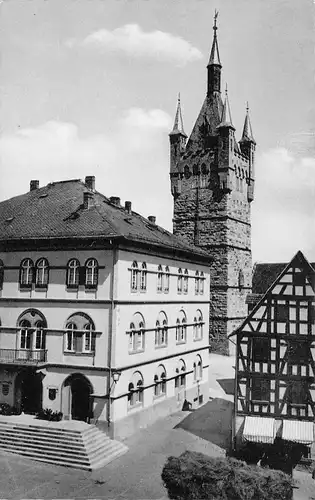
[[297, 393], [261, 349], [282, 313], [260, 389], [299, 352]]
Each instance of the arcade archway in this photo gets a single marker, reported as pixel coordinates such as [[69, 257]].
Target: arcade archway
[[76, 400]]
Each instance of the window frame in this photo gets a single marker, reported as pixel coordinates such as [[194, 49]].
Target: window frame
[[75, 270], [134, 281], [197, 283], [143, 277], [180, 281], [27, 281], [1, 274], [160, 280], [94, 269], [44, 269], [185, 282]]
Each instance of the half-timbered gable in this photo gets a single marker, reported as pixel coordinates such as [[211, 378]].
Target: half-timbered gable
[[275, 368]]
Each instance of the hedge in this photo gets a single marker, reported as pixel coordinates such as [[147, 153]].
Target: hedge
[[194, 476]]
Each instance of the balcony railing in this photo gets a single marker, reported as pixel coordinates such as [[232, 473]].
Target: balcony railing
[[23, 356]]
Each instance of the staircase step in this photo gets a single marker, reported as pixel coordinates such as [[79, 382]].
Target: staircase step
[[86, 449], [45, 452], [43, 446]]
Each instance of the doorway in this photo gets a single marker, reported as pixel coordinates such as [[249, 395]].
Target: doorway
[[76, 400], [28, 391]]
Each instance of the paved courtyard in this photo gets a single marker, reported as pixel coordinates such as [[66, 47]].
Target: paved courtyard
[[137, 474]]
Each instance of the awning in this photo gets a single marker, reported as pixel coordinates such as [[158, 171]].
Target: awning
[[259, 429], [298, 431]]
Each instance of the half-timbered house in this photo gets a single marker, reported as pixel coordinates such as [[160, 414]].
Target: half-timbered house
[[275, 363]]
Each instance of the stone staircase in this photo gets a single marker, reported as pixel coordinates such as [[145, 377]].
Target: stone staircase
[[85, 448]]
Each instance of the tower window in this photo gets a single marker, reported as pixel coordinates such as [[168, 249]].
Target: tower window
[[240, 279]]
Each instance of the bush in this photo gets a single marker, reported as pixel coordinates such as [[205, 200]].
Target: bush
[[48, 414], [194, 476], [6, 409]]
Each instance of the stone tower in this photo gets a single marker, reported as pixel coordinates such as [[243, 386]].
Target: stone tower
[[212, 183]]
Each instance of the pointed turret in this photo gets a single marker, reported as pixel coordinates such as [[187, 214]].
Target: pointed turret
[[247, 135], [214, 65], [178, 127], [178, 143], [248, 146], [226, 119]]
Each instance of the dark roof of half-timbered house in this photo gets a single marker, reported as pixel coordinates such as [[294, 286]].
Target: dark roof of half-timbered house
[[264, 275], [266, 278]]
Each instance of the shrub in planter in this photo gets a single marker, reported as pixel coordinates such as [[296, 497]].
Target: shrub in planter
[[48, 414], [7, 409], [194, 476]]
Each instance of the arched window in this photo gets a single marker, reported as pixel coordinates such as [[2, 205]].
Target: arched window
[[181, 328], [143, 280], [180, 378], [160, 381], [80, 336], [90, 339], [135, 390], [240, 279], [197, 283], [198, 326], [26, 273], [1, 274], [202, 283], [73, 271], [137, 334], [32, 335], [134, 276], [197, 368], [25, 334], [160, 279], [185, 288], [180, 281], [42, 271], [161, 330], [40, 337], [91, 274], [167, 280]]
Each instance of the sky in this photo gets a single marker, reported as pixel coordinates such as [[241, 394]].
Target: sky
[[89, 87]]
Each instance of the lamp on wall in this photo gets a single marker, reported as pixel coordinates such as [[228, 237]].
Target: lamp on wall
[[116, 376]]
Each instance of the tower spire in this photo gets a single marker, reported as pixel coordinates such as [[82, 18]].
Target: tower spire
[[178, 127], [247, 135], [226, 119], [214, 54], [214, 65]]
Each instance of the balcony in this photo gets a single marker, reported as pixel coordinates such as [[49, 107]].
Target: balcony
[[23, 356]]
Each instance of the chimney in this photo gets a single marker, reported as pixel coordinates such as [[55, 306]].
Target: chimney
[[34, 184], [90, 182], [87, 199], [152, 219], [115, 200], [128, 207]]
